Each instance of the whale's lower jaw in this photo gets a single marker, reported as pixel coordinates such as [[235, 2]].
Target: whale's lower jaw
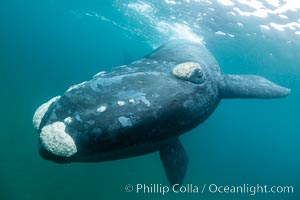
[[128, 152]]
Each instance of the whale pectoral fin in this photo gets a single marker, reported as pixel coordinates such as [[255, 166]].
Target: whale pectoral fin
[[250, 86], [174, 160]]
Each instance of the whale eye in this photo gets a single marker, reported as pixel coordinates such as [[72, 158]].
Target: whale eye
[[197, 76], [198, 72], [189, 71]]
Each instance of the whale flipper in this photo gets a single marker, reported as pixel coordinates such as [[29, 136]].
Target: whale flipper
[[174, 160], [250, 86]]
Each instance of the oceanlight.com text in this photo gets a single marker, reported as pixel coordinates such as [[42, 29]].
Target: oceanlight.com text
[[246, 189]]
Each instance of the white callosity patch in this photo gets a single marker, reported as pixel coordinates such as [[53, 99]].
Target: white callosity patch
[[68, 120], [131, 101], [132, 97], [121, 103], [55, 140], [99, 74], [40, 112], [185, 70], [76, 86], [125, 122], [101, 109], [190, 71]]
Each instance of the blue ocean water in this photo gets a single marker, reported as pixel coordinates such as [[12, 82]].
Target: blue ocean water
[[46, 46]]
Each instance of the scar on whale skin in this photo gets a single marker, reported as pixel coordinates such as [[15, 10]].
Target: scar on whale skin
[[125, 122]]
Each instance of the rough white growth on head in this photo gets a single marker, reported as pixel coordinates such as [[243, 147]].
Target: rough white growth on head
[[40, 112], [185, 70], [131, 101], [125, 122], [75, 86], [101, 109], [122, 66], [68, 120], [121, 103], [55, 140], [99, 74]]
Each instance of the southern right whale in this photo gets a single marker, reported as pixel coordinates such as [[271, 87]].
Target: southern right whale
[[143, 107]]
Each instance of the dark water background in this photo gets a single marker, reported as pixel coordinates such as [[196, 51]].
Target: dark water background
[[46, 46]]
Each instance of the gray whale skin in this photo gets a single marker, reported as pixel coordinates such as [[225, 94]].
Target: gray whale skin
[[143, 107]]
